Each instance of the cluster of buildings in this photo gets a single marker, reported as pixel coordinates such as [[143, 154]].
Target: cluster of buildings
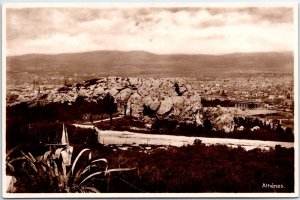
[[25, 86], [270, 91]]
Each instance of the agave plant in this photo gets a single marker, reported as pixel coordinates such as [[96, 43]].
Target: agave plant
[[80, 178], [50, 170], [28, 169], [10, 160]]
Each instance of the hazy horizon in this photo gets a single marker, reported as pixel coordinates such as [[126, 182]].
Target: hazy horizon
[[82, 52]]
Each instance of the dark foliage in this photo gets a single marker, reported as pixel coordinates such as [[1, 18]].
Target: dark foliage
[[148, 112], [64, 88], [122, 124], [216, 102], [164, 126], [90, 82], [85, 137], [32, 124], [192, 168], [42, 183], [200, 168], [61, 111], [207, 125], [174, 127], [45, 132], [109, 106], [266, 132], [177, 89]]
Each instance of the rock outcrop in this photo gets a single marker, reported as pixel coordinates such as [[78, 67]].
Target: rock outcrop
[[166, 97], [220, 118], [165, 106]]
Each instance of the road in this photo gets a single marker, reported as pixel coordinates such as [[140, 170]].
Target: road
[[127, 137]]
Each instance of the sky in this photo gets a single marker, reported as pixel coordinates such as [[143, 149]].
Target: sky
[[161, 30]]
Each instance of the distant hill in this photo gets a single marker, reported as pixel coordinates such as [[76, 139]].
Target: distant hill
[[124, 63]]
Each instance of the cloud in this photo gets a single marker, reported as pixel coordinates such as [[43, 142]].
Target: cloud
[[160, 30]]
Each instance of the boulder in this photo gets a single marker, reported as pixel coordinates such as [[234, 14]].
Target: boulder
[[113, 92], [154, 94], [135, 105], [135, 110], [185, 94], [178, 101], [171, 92], [147, 101], [224, 122], [72, 96], [199, 119], [82, 92], [143, 90], [91, 87], [176, 112], [195, 98], [196, 106], [188, 87], [182, 89], [135, 97], [187, 102], [98, 91], [134, 81], [124, 95], [180, 81], [165, 106], [154, 105], [155, 84], [187, 108]]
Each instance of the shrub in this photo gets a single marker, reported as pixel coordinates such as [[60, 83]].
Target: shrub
[[45, 174], [164, 126]]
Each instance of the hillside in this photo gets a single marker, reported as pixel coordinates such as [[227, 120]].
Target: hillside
[[127, 63]]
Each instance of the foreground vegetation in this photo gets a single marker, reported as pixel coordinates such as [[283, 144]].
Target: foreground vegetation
[[192, 168], [48, 173], [200, 168]]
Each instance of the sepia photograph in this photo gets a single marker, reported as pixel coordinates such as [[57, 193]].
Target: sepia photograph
[[149, 100]]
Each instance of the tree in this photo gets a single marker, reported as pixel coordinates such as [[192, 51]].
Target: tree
[[109, 106], [207, 125], [288, 130], [123, 103]]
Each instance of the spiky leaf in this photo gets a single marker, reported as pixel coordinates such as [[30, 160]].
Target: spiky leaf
[[77, 158]]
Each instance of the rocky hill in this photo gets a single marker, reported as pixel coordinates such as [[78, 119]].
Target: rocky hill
[[145, 99], [163, 97]]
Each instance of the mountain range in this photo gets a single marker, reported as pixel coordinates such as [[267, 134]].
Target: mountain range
[[124, 63]]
